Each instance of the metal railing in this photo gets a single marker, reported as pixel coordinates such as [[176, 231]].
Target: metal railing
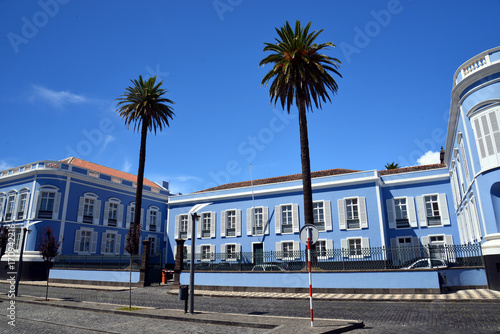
[[338, 259], [105, 261]]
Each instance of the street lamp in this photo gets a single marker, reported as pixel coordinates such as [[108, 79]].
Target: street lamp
[[20, 265], [194, 215]]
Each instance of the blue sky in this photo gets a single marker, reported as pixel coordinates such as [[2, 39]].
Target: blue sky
[[64, 62]]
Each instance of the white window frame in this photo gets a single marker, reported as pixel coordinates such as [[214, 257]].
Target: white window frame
[[444, 240], [10, 206], [116, 243], [410, 212], [326, 211], [153, 212], [85, 201], [295, 252], [92, 241], [22, 210], [178, 232], [154, 243], [253, 217], [487, 135], [40, 200], [442, 208], [364, 249], [108, 210], [228, 256], [202, 255], [401, 258], [207, 217], [131, 215], [227, 217], [362, 213], [278, 218], [328, 251]]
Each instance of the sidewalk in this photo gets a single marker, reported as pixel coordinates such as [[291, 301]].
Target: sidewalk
[[261, 323], [480, 295]]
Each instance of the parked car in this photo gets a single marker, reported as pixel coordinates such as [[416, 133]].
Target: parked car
[[427, 263], [267, 267]]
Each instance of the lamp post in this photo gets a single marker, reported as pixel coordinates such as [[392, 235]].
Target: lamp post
[[20, 265], [194, 215]]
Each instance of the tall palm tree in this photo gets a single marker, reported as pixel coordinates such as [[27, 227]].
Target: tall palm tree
[[300, 76], [144, 105]]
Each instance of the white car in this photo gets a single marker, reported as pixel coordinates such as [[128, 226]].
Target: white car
[[428, 263], [267, 267]]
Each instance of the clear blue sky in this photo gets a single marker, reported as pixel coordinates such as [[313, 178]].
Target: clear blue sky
[[63, 64]]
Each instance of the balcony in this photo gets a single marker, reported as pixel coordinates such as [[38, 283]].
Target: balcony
[[477, 63]]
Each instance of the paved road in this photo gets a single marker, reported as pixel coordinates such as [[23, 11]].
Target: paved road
[[379, 317]]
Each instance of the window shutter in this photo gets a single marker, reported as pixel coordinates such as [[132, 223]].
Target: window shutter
[[342, 220], [198, 253], [450, 251], [57, 202], [198, 227], [127, 220], [238, 251], [344, 244], [422, 215], [106, 214], [223, 252], [410, 206], [394, 251], [212, 252], [249, 221], [118, 243], [93, 248], [223, 224], [34, 209], [425, 245], [177, 227], [80, 209], [103, 242], [363, 217], [238, 223], [389, 203], [78, 236], [148, 219], [278, 251], [265, 220], [277, 219], [295, 218], [142, 216], [329, 248], [365, 247], [328, 215], [212, 224], [158, 221], [443, 209], [119, 216], [97, 212], [296, 250], [190, 226]]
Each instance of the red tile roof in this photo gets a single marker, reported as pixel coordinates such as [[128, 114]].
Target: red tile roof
[[107, 170], [410, 169]]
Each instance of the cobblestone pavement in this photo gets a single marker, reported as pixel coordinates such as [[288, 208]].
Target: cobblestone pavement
[[430, 316]]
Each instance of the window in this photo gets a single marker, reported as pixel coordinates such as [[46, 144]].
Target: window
[[22, 205], [487, 133], [324, 249], [17, 238], [113, 213], [433, 210], [9, 210], [230, 252], [352, 213], [288, 250], [153, 244], [89, 209], [110, 243], [206, 225], [46, 205], [355, 247], [322, 215], [131, 215], [439, 247], [206, 252], [182, 224], [286, 218], [401, 212], [257, 221], [85, 241], [2, 204], [230, 223], [153, 219], [404, 250]]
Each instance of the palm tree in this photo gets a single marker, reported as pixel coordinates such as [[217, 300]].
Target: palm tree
[[144, 105], [300, 76], [391, 165]]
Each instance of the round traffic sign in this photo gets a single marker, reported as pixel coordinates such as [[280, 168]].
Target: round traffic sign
[[309, 231]]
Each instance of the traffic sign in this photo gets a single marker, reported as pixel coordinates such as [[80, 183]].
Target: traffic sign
[[309, 231]]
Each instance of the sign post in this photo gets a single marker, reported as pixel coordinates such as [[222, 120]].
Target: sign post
[[309, 236]]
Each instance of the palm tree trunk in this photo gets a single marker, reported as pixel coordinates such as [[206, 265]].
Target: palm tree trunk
[[306, 165], [140, 175]]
